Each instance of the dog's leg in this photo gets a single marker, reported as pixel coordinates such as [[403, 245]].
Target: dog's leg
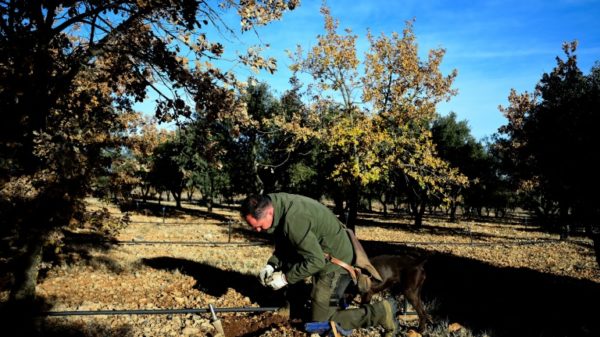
[[415, 301], [413, 295]]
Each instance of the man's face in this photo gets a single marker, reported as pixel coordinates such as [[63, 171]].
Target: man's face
[[263, 223]]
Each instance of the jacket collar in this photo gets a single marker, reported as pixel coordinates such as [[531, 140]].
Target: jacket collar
[[277, 212]]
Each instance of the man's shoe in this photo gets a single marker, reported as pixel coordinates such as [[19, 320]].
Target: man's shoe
[[390, 323]]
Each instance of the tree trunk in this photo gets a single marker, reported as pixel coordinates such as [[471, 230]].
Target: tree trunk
[[20, 313], [52, 208], [396, 204], [190, 194], [27, 271], [177, 197], [352, 208], [145, 192], [385, 211], [210, 195], [563, 222], [418, 212], [453, 206], [338, 206]]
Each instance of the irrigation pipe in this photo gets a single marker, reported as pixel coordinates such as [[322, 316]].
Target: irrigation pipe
[[185, 243], [189, 243], [257, 243], [157, 311], [165, 223], [166, 311], [499, 243]]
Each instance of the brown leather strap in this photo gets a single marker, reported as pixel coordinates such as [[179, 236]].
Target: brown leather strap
[[342, 264], [361, 258]]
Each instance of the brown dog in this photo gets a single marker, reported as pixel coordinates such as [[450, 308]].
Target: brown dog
[[401, 274]]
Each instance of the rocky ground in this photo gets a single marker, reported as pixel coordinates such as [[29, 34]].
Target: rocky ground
[[220, 268]]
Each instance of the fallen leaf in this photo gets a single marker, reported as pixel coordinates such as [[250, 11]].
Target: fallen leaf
[[413, 333], [454, 327]]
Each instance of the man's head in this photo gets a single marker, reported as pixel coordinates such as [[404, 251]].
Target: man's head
[[258, 210]]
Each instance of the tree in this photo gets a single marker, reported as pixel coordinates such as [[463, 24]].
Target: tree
[[553, 136], [455, 144], [291, 162], [255, 139], [205, 141], [514, 161], [268, 140], [129, 162], [333, 64], [405, 90], [69, 68], [402, 91], [167, 171], [142, 143]]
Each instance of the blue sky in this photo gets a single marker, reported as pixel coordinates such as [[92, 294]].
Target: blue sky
[[494, 45]]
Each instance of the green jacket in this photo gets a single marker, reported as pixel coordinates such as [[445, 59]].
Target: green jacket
[[304, 231]]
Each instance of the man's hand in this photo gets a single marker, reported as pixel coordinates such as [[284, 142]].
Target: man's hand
[[277, 281], [266, 274]]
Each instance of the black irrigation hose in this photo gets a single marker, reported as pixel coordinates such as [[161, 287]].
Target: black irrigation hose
[[165, 223], [186, 243], [189, 243], [168, 311], [490, 244], [256, 243], [156, 311], [170, 223], [177, 223]]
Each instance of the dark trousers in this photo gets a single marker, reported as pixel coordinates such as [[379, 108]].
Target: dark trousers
[[326, 289]]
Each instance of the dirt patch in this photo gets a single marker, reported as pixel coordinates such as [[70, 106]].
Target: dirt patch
[[258, 325]]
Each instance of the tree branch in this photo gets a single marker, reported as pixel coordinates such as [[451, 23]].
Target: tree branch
[[90, 13]]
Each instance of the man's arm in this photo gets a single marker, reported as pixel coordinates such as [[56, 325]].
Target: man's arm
[[307, 245]]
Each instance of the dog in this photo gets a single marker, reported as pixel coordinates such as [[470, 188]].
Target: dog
[[401, 274]]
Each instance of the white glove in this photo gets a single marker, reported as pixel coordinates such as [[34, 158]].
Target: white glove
[[277, 281], [265, 274]]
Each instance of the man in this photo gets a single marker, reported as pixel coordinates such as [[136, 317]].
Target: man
[[304, 231]]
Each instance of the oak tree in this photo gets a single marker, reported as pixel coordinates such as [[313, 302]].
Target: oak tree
[[69, 69], [383, 132]]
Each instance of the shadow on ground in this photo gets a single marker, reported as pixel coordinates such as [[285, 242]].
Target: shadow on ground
[[215, 281], [27, 320], [78, 250], [462, 231], [504, 301], [168, 211]]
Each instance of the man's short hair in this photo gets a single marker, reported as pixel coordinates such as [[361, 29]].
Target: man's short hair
[[255, 205]]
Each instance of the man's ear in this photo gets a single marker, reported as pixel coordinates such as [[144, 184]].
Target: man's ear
[[271, 210]]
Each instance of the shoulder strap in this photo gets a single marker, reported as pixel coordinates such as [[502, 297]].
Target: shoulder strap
[[344, 265], [362, 260]]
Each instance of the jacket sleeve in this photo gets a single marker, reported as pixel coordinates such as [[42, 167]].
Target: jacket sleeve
[[307, 245], [274, 260]]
